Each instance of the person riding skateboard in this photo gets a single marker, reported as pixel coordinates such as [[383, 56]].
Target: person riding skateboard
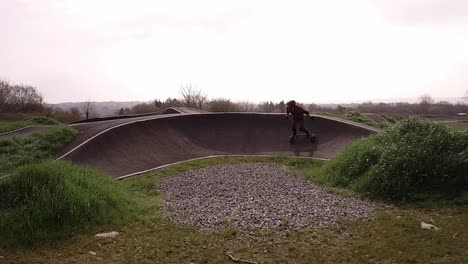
[[297, 113]]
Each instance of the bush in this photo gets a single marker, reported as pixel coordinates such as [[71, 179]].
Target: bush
[[49, 201], [409, 159], [21, 150]]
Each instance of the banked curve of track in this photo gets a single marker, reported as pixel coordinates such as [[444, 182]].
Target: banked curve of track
[[129, 147]]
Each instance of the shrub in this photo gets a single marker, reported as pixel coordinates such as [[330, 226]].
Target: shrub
[[408, 159], [49, 201]]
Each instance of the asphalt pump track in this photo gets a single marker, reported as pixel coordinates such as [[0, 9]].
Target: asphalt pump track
[[130, 146]]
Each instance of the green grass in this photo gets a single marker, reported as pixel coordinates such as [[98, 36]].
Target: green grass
[[54, 209], [10, 126], [46, 202], [17, 151], [412, 159], [459, 126], [393, 236], [30, 121]]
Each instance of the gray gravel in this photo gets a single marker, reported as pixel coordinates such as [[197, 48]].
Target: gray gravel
[[254, 195]]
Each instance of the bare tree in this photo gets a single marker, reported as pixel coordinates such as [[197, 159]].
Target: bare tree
[[121, 111], [19, 98], [266, 107], [425, 101], [246, 107], [75, 111], [222, 105], [341, 109], [5, 92], [158, 103], [144, 108], [87, 108], [201, 100], [29, 98], [172, 102], [192, 97], [62, 115]]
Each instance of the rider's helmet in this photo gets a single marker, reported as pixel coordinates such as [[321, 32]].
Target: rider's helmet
[[291, 103]]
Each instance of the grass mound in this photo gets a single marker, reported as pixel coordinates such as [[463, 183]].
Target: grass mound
[[41, 120], [48, 201], [408, 160], [21, 150], [30, 121], [388, 118], [10, 126], [359, 118]]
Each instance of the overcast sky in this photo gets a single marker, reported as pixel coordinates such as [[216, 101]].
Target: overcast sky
[[311, 51]]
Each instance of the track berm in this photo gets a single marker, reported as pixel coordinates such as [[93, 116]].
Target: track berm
[[129, 146]]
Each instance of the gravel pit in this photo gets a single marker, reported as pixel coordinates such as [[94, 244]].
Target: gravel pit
[[254, 195]]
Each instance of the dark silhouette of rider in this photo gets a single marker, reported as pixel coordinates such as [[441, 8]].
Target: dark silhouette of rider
[[297, 113]]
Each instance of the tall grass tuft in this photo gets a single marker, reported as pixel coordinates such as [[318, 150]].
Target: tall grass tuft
[[48, 201], [21, 150], [410, 159]]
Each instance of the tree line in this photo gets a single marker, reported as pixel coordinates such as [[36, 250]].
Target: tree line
[[20, 98], [26, 99], [425, 107], [195, 98], [192, 97], [17, 100]]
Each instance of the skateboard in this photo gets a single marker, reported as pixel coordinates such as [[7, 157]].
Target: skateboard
[[312, 138]]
